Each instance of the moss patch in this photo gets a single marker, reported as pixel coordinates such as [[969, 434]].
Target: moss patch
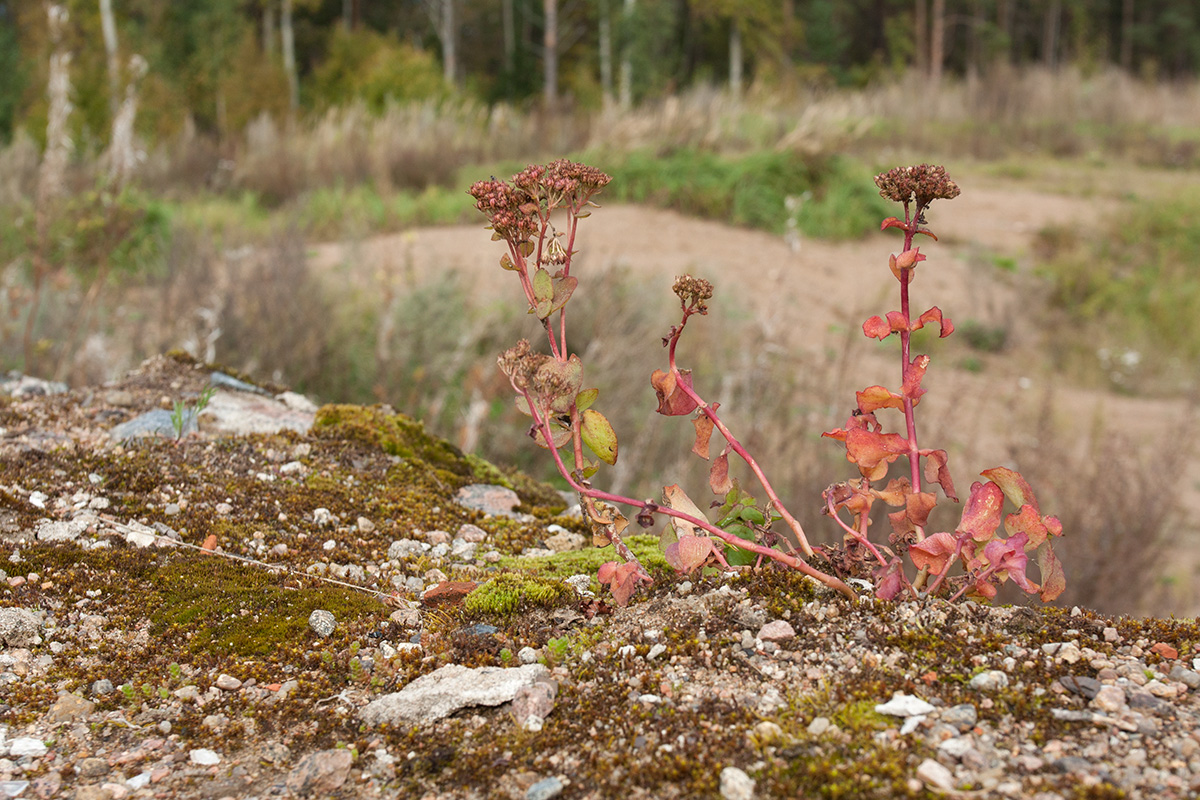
[[511, 592], [588, 560]]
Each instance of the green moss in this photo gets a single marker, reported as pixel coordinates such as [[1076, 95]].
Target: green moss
[[511, 592], [213, 606], [486, 472], [397, 434], [588, 560]]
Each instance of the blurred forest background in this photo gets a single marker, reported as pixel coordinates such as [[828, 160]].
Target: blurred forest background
[[208, 176]]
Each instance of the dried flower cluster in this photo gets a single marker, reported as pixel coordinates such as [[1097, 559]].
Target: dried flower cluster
[[923, 182], [693, 292], [518, 208]]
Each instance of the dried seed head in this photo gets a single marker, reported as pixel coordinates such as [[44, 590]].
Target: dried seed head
[[923, 183], [693, 291], [521, 364]]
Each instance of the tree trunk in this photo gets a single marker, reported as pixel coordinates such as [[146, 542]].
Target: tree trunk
[[288, 39], [268, 29], [626, 90], [1127, 35], [510, 35], [1050, 34], [550, 59], [449, 37], [735, 58], [937, 43], [921, 36], [606, 71], [1005, 13], [108, 27]]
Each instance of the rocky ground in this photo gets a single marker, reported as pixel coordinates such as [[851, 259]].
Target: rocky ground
[[267, 599]]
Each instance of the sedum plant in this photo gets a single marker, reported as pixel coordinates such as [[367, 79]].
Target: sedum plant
[[537, 214]]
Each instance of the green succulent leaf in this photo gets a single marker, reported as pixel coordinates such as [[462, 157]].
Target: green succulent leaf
[[584, 400], [599, 436]]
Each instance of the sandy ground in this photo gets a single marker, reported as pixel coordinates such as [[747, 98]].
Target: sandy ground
[[804, 293]]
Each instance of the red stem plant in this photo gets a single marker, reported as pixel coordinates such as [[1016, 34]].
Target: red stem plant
[[551, 391]]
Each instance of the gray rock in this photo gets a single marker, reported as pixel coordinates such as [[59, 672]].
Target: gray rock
[[1187, 677], [241, 413], [18, 386], [904, 705], [62, 530], [406, 548], [527, 655], [446, 690], [963, 716], [736, 784], [989, 681], [320, 773], [488, 498], [153, 423], [19, 628], [1081, 685], [1110, 699], [102, 687], [544, 789], [69, 708], [322, 622], [566, 541]]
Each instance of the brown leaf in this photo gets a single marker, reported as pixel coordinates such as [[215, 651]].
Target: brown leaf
[[672, 401], [914, 373], [876, 397], [718, 474], [674, 497], [688, 553], [937, 472], [1054, 580], [704, 429], [933, 552]]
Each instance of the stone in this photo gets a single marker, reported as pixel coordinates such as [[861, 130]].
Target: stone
[[534, 701], [62, 530], [566, 541], [1081, 685], [736, 784], [488, 498], [448, 592], [1189, 678], [102, 687], [656, 651], [963, 716], [471, 533], [777, 631], [91, 767], [27, 746], [228, 683], [818, 726], [1110, 699], [204, 757], [364, 525], [19, 628], [153, 423], [527, 655], [69, 708], [545, 789], [990, 680], [406, 548], [1165, 650], [1066, 652], [320, 773], [957, 747], [448, 689], [904, 705], [322, 622], [934, 774]]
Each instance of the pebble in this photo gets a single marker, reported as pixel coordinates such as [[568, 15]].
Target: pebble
[[962, 717], [736, 784], [545, 789], [777, 631], [322, 622], [232, 684], [204, 757], [818, 726], [488, 498], [991, 680], [1110, 699], [1081, 685], [27, 746], [904, 705], [527, 655], [935, 775], [321, 773]]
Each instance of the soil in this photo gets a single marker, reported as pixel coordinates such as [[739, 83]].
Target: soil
[[139, 659]]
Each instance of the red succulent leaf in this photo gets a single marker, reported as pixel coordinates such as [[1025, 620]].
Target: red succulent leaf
[[983, 589], [836, 433], [622, 579], [876, 397], [1008, 559], [937, 472], [901, 524], [981, 516], [1054, 580], [914, 373], [891, 222], [933, 552], [1053, 526], [877, 328], [897, 321], [889, 580], [673, 401], [1027, 523], [688, 552], [918, 505], [894, 493], [718, 474], [873, 451], [1015, 488], [934, 315]]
